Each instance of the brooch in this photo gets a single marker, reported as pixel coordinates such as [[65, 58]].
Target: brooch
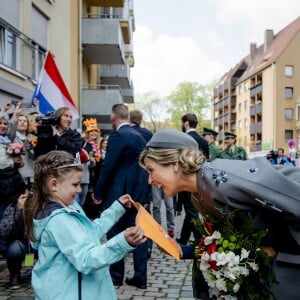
[[219, 177], [252, 170]]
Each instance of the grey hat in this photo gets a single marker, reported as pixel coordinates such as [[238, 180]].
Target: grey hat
[[172, 139]]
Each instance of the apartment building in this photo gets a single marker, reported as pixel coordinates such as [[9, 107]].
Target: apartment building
[[106, 38], [91, 41], [259, 98]]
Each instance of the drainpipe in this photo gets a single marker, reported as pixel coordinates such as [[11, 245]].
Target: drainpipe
[[80, 60]]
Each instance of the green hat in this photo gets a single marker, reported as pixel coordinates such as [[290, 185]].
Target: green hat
[[229, 135], [208, 131]]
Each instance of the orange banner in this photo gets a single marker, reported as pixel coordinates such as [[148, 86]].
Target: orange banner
[[155, 232]]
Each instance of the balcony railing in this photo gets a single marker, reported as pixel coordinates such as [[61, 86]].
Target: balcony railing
[[102, 40], [256, 109], [97, 99], [255, 90], [23, 55], [256, 128], [106, 3]]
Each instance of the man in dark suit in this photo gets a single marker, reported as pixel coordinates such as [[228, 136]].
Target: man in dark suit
[[136, 117], [121, 174], [189, 124]]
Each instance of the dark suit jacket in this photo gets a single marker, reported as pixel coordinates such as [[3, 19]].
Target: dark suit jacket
[[202, 143], [120, 173], [144, 132]]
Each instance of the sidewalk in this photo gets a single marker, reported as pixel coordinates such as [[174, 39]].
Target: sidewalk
[[167, 279]]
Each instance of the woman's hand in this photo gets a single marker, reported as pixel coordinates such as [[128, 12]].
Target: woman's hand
[[126, 200], [270, 251], [134, 235], [22, 198]]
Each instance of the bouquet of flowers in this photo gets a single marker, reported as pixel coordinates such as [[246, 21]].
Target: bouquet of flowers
[[16, 149], [95, 153], [30, 143], [231, 260]]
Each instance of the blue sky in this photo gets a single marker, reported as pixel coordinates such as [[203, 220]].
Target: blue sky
[[199, 40]]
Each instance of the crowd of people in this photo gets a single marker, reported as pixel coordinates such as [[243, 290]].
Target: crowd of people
[[63, 193]]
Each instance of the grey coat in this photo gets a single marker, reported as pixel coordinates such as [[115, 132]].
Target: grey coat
[[251, 184]]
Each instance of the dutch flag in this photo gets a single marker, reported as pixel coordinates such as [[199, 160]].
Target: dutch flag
[[51, 90]]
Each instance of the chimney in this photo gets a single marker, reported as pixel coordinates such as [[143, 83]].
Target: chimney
[[269, 36], [253, 49]]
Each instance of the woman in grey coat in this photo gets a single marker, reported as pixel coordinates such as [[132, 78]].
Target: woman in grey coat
[[270, 193]]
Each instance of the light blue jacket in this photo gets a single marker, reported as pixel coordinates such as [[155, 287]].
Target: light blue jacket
[[69, 242]]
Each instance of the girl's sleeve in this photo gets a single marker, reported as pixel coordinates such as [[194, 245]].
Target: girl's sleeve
[[85, 252], [109, 217]]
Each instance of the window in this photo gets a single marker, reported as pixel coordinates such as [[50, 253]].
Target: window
[[289, 71], [11, 50], [240, 124], [8, 48], [245, 105], [246, 86], [245, 123], [240, 89], [288, 135], [240, 107], [20, 53], [288, 92], [288, 113]]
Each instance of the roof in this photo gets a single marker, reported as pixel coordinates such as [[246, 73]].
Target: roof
[[264, 58]]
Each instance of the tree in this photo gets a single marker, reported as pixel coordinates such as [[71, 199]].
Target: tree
[[191, 97], [154, 110]]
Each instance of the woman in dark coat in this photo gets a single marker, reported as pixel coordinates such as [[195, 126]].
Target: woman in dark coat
[[59, 135]]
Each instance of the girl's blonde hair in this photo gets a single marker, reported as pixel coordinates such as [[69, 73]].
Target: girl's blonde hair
[[55, 164], [189, 159]]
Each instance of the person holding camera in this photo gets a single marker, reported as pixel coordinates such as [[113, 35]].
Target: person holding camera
[[278, 158], [55, 133]]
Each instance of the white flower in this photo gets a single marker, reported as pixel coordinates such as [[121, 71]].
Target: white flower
[[253, 266], [244, 271], [221, 284], [209, 239], [221, 259], [233, 259], [244, 254], [236, 287], [229, 275], [205, 256]]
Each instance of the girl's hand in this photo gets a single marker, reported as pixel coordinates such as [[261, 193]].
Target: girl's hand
[[134, 235], [126, 200]]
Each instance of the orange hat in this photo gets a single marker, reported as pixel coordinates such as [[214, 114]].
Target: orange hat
[[91, 124]]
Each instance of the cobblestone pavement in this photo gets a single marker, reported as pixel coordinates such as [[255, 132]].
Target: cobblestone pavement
[[167, 279]]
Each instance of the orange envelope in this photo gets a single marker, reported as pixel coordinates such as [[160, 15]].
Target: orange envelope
[[155, 232]]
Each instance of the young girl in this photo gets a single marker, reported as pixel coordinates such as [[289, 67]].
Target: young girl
[[72, 263]]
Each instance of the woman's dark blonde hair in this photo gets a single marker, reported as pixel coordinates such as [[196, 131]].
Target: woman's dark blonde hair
[[189, 159], [55, 164]]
